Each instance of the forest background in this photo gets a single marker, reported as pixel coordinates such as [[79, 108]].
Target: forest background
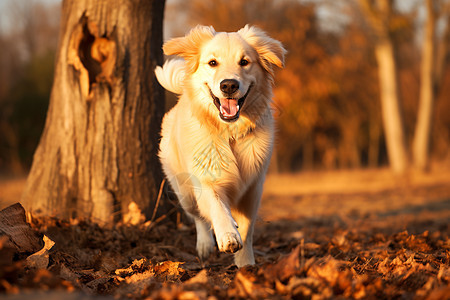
[[326, 100]]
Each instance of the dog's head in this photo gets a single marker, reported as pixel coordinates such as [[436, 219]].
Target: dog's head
[[230, 73]]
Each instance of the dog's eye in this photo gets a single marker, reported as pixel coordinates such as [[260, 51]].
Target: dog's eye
[[243, 62], [213, 63]]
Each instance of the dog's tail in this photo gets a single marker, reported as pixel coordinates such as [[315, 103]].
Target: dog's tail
[[171, 75]]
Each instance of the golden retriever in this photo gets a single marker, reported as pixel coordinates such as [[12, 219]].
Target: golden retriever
[[217, 140]]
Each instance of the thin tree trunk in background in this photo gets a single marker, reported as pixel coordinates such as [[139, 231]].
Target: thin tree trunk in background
[[97, 157], [422, 135], [374, 142], [378, 14], [441, 61], [390, 106], [348, 148]]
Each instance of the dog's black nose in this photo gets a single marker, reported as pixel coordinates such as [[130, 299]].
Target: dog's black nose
[[229, 86]]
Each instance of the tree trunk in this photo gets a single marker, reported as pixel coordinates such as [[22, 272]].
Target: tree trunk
[[421, 142], [391, 106], [378, 14], [97, 157], [374, 142]]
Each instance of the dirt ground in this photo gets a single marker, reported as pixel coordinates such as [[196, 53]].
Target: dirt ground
[[363, 234]]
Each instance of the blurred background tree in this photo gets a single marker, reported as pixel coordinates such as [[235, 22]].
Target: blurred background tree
[[27, 53], [327, 99], [433, 67], [380, 16]]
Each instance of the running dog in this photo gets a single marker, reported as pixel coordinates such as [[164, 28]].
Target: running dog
[[217, 140]]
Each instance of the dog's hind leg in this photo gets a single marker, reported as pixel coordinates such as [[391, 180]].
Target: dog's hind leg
[[205, 239], [245, 216], [186, 189], [245, 256]]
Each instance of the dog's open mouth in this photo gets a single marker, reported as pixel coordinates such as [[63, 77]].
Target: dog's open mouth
[[229, 108]]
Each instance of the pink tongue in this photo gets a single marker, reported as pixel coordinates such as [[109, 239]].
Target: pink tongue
[[228, 107]]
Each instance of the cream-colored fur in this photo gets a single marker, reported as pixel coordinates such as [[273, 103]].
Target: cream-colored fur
[[215, 149]]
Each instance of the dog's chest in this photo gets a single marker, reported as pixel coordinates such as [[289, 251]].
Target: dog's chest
[[232, 158], [251, 153]]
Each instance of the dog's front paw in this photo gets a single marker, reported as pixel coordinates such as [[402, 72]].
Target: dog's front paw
[[229, 242]]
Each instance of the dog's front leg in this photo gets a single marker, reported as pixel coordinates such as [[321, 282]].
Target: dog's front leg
[[225, 227]]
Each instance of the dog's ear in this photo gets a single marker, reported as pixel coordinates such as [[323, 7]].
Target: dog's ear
[[270, 51], [188, 46]]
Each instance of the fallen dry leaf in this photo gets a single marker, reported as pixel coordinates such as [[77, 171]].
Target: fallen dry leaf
[[40, 259], [13, 225], [286, 267], [200, 278], [170, 267]]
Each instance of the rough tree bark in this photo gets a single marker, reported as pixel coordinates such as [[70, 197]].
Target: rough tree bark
[[378, 14], [97, 157]]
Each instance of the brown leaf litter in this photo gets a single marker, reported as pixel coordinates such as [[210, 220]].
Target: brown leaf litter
[[360, 256]]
